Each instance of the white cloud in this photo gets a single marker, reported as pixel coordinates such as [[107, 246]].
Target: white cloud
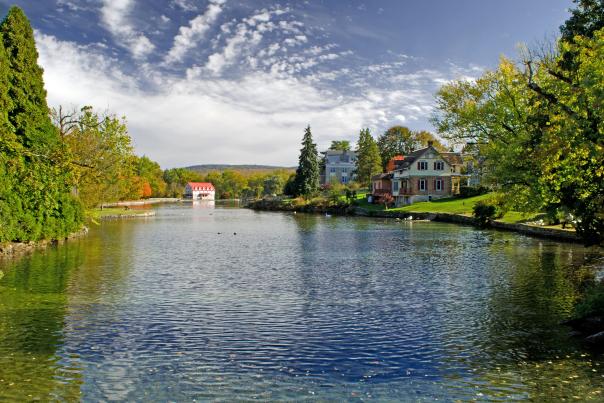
[[114, 14], [186, 5], [188, 36]]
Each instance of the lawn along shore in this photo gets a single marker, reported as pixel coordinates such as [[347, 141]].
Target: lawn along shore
[[454, 210]]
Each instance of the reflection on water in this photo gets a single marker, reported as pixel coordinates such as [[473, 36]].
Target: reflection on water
[[204, 302]]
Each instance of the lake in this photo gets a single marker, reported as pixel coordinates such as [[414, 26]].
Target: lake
[[222, 304]]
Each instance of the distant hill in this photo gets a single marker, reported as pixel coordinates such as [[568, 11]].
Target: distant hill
[[206, 168]]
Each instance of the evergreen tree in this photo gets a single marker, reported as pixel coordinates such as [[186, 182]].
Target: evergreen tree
[[307, 174], [369, 161], [29, 113], [35, 176]]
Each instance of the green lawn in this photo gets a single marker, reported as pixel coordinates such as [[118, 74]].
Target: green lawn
[[455, 206], [452, 206]]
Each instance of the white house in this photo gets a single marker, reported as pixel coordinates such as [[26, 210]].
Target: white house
[[200, 191]]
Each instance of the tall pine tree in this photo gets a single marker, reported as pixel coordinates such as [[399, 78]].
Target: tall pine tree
[[29, 113], [35, 199], [369, 161], [307, 174]]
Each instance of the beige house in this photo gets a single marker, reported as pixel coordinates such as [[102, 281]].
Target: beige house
[[426, 175]]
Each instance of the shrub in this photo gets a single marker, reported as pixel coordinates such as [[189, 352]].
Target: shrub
[[483, 213]]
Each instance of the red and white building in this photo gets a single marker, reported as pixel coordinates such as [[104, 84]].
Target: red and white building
[[200, 191]]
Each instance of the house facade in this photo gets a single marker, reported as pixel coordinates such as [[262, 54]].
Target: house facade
[[339, 166], [200, 191], [381, 187], [425, 175]]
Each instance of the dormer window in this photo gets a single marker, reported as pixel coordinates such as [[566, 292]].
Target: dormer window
[[422, 166]]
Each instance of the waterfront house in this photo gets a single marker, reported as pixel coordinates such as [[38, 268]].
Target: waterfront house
[[339, 166], [200, 191], [427, 174], [381, 187]]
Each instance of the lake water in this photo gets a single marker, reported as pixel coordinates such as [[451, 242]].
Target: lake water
[[293, 307]]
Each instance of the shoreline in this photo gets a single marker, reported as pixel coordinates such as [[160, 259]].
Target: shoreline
[[530, 230], [127, 215], [142, 202], [16, 249]]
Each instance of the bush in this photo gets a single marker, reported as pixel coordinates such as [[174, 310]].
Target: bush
[[484, 212], [592, 303], [471, 191]]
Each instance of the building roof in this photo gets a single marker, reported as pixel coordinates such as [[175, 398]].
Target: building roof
[[381, 176], [201, 185], [338, 152]]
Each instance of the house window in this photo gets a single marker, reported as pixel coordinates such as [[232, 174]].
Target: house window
[[344, 170], [439, 166], [422, 165], [395, 186], [422, 185], [438, 185], [332, 170], [344, 179]]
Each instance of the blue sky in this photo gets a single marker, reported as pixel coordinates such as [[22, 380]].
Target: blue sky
[[228, 81]]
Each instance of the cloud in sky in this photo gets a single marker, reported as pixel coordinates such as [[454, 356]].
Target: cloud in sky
[[115, 16], [189, 36], [223, 83]]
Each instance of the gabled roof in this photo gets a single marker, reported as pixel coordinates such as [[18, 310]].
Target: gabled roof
[[450, 157], [201, 185]]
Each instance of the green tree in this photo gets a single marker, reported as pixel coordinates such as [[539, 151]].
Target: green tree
[[584, 21], [28, 112], [151, 172], [423, 138], [36, 176], [104, 160], [177, 178], [307, 174], [273, 185], [369, 161], [540, 126], [340, 145], [398, 140]]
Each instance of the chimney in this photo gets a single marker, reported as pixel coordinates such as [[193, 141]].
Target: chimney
[[430, 143]]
